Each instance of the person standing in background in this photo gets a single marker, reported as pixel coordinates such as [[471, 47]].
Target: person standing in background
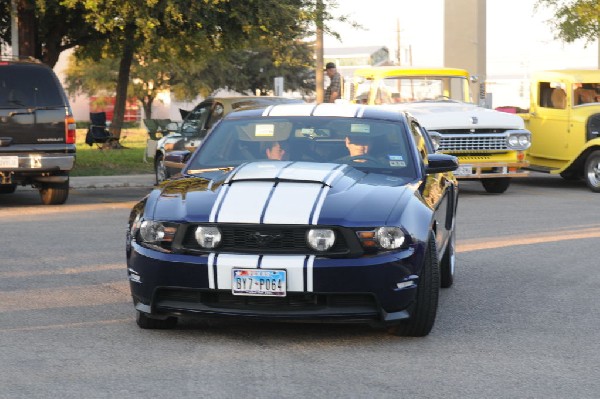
[[334, 91]]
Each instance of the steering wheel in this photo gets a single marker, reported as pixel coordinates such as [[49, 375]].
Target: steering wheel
[[354, 160]]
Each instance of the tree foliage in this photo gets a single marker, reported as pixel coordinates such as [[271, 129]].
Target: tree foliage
[[574, 19], [198, 45]]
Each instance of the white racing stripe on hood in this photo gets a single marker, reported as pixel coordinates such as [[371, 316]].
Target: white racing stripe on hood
[[249, 199], [293, 264], [303, 196], [243, 202]]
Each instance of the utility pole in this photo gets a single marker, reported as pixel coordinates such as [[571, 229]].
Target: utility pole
[[14, 28], [399, 52], [319, 52]]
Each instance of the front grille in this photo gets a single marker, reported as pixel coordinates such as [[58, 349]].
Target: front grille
[[266, 239], [293, 302], [473, 142]]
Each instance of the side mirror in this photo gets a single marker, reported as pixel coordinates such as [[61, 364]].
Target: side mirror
[[177, 159], [439, 163], [474, 79]]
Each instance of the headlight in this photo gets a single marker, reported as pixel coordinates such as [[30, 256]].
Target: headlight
[[154, 232], [320, 239], [519, 141], [208, 236], [389, 237], [524, 141]]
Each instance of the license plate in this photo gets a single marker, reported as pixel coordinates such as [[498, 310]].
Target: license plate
[[9, 162], [464, 170], [258, 282]]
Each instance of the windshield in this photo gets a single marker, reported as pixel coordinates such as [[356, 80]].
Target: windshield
[[369, 145], [405, 89]]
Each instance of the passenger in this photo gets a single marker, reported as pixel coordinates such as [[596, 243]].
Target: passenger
[[275, 151]]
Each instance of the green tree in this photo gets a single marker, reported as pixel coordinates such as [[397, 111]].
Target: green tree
[[55, 28], [574, 19]]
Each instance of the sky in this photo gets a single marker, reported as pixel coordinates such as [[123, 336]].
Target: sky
[[519, 39]]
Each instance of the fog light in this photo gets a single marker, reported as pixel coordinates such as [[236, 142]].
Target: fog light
[[208, 236], [320, 239]]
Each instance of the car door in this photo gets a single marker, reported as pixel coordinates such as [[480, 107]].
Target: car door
[[549, 120]]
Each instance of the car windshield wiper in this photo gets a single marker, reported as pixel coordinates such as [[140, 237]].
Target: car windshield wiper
[[222, 169]]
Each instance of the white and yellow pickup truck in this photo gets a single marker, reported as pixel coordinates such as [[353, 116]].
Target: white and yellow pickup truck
[[489, 144]]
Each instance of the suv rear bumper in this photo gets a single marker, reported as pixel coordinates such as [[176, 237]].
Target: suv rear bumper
[[35, 168], [37, 162]]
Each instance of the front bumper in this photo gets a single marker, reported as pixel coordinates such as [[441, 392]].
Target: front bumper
[[341, 290]]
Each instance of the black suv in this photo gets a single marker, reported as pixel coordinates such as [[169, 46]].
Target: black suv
[[37, 130]]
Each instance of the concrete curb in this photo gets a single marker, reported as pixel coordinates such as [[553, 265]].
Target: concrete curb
[[96, 182]]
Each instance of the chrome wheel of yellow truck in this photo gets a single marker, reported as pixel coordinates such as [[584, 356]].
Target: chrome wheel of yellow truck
[[592, 171]]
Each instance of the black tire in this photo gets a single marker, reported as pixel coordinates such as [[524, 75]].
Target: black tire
[[7, 188], [54, 193], [592, 171], [571, 176], [496, 185], [148, 323], [425, 309], [447, 265], [160, 170]]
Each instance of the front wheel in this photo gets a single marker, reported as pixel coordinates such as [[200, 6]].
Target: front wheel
[[496, 185], [592, 171], [54, 193], [425, 309], [448, 262]]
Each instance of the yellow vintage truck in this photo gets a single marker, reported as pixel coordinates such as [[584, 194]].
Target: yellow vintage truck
[[564, 120], [489, 144]]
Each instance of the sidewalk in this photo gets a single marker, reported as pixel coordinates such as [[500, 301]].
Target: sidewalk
[[82, 182]]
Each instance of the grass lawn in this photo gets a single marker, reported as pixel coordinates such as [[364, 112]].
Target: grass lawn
[[91, 161]]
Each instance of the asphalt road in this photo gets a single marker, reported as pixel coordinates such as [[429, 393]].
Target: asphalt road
[[521, 321]]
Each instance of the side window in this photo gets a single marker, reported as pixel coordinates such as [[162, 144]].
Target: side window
[[420, 141], [194, 124], [552, 95]]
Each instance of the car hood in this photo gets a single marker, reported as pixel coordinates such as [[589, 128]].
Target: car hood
[[457, 115], [283, 193]]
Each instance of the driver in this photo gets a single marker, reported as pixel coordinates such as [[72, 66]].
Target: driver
[[357, 145]]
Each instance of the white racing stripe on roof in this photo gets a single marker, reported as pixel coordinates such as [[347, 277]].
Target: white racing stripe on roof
[[291, 110], [342, 110]]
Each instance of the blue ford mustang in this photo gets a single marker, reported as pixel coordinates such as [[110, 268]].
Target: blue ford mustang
[[300, 212]]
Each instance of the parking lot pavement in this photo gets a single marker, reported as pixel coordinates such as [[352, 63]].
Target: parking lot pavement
[[91, 182]]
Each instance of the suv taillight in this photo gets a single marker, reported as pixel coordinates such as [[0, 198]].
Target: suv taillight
[[70, 130]]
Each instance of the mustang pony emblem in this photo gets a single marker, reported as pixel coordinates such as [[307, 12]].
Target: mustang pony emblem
[[264, 239]]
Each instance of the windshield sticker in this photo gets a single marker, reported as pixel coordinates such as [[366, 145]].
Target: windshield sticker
[[397, 164], [264, 130], [395, 157], [360, 128]]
